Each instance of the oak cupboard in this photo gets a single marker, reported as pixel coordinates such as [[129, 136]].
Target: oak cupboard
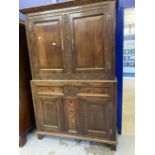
[[71, 50]]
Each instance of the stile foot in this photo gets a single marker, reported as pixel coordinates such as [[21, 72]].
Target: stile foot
[[113, 147], [40, 136], [22, 141]]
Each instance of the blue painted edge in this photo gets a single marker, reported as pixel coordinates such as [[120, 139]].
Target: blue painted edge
[[21, 16], [119, 60], [32, 3], [129, 3]]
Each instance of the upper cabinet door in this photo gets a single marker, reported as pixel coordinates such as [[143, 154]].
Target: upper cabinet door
[[47, 54], [72, 43], [91, 40]]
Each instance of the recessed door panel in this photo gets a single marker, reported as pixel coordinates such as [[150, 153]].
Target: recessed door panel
[[89, 30], [49, 113], [90, 41], [47, 53], [96, 114], [48, 43]]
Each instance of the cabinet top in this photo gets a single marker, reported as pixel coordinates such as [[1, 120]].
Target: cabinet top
[[59, 5]]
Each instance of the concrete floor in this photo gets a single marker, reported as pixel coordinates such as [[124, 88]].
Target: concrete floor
[[62, 146], [128, 121]]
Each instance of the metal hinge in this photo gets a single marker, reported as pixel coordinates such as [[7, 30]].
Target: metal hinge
[[108, 65], [110, 132], [108, 17], [29, 27]]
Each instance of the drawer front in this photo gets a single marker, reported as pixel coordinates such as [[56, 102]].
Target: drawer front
[[75, 89], [103, 92], [50, 90]]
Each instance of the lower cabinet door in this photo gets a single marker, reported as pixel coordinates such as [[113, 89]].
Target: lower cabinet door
[[95, 116], [50, 113]]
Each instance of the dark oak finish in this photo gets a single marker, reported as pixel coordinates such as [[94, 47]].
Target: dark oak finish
[[96, 116], [72, 111], [47, 38], [72, 43], [71, 50], [26, 114], [49, 110], [90, 41], [76, 107]]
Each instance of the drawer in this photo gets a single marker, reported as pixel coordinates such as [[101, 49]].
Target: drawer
[[46, 88], [94, 91], [74, 88], [53, 90]]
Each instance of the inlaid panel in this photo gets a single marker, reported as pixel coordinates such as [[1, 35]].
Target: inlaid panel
[[71, 110]]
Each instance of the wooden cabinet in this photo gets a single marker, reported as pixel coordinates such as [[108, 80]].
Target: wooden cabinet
[[71, 50]]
